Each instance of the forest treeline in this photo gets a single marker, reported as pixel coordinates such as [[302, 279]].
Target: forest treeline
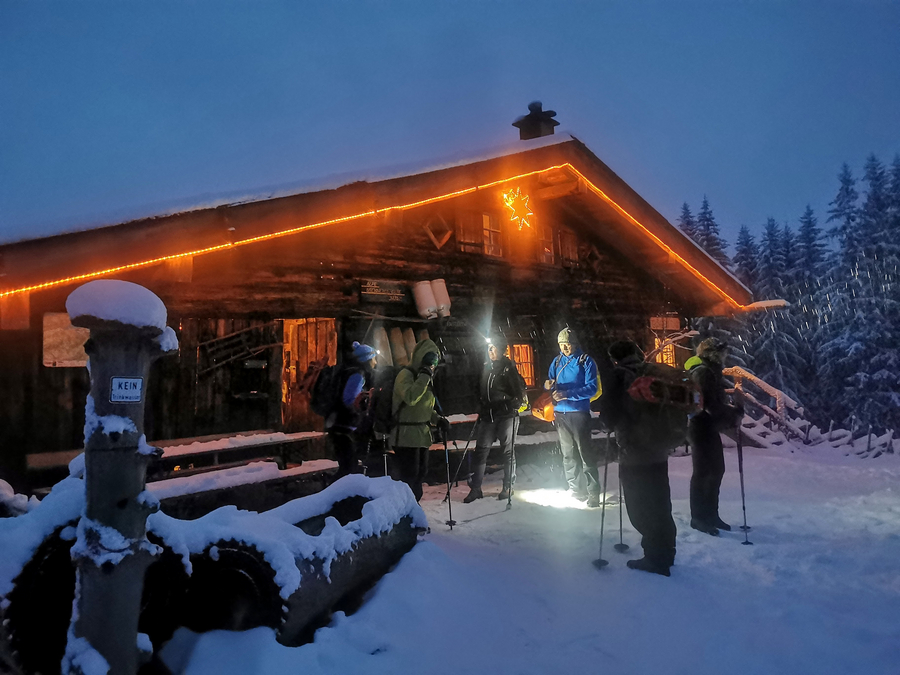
[[836, 348]]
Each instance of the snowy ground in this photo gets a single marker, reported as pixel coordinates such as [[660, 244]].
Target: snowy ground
[[515, 592]]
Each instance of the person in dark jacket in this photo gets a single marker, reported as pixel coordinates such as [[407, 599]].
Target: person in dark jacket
[[643, 470], [413, 406], [342, 424], [500, 392], [704, 435], [572, 379]]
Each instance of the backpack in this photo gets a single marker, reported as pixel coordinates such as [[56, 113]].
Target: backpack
[[324, 385], [658, 404], [380, 417]]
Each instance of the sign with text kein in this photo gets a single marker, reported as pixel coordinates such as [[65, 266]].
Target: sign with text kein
[[126, 390]]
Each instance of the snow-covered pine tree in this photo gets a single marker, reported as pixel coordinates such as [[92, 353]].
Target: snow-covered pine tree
[[809, 269], [789, 253], [708, 235], [745, 254], [859, 362], [844, 212], [776, 354], [810, 251], [687, 223]]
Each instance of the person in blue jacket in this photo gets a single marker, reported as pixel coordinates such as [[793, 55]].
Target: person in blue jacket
[[342, 424], [572, 380]]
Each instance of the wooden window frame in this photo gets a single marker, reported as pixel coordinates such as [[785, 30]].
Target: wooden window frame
[[523, 357], [568, 248], [546, 256], [492, 232]]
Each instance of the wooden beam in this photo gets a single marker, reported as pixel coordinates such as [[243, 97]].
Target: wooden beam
[[556, 191]]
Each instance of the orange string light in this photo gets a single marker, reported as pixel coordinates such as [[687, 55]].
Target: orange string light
[[375, 212]]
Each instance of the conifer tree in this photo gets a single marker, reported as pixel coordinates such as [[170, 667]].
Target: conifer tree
[[810, 250], [746, 253], [776, 351], [844, 213], [708, 235], [686, 222]]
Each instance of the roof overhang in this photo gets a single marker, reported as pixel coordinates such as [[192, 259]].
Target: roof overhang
[[568, 169]]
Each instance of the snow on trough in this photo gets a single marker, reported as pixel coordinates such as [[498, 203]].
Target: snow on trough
[[274, 534]]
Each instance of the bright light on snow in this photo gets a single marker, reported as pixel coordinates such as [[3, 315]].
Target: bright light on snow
[[557, 499]]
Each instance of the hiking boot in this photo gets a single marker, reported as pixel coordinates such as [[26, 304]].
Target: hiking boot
[[647, 565], [474, 493], [505, 493], [579, 495], [721, 524], [593, 502], [703, 526]]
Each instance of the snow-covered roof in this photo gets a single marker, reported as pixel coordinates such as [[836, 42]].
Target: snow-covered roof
[[630, 223], [265, 192]]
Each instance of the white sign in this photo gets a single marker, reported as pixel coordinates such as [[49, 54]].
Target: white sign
[[126, 390]]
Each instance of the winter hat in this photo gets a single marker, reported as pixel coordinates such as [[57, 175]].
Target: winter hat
[[623, 349], [363, 353], [566, 335], [499, 341], [712, 348]]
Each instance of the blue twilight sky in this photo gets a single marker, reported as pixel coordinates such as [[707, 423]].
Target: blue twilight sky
[[114, 110]]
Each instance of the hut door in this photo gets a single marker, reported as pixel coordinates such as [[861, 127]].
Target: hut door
[[305, 341]]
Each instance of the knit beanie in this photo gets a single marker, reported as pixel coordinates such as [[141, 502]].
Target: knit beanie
[[363, 353], [565, 336]]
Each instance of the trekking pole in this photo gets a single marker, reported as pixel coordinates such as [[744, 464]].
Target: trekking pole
[[466, 451], [740, 451], [450, 522], [621, 547], [600, 563], [512, 463]]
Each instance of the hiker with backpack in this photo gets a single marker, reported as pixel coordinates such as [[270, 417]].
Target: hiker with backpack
[[645, 435], [413, 415], [501, 392], [572, 381], [345, 424], [707, 456]]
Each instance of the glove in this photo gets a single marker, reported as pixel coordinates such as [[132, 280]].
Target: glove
[[429, 362], [443, 425]]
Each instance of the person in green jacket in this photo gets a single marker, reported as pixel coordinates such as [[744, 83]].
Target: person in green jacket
[[413, 409]]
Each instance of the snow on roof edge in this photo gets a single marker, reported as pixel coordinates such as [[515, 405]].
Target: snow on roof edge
[[263, 193]]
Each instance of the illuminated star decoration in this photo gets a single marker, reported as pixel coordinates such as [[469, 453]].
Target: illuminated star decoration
[[517, 203]]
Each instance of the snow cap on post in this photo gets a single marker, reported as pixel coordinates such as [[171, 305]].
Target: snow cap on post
[[122, 301]]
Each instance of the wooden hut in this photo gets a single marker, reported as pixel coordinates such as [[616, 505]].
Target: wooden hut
[[525, 241]]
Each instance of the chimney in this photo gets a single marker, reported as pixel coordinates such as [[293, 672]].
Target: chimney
[[538, 122]]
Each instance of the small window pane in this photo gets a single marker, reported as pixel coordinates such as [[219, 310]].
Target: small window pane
[[523, 355], [491, 235]]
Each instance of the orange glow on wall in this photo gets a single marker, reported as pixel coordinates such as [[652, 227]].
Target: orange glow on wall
[[374, 212], [517, 203]]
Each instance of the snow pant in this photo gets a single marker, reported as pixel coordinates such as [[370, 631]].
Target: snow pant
[[578, 453], [503, 430], [411, 466], [344, 445], [649, 505], [708, 459]]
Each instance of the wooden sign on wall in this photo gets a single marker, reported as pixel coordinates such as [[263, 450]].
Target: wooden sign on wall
[[380, 290]]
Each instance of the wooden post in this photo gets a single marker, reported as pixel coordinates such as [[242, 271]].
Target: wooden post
[[869, 440], [830, 429], [111, 551]]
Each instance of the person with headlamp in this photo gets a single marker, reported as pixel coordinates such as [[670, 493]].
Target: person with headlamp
[[501, 392]]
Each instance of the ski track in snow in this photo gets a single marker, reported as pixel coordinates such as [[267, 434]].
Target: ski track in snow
[[515, 591]]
